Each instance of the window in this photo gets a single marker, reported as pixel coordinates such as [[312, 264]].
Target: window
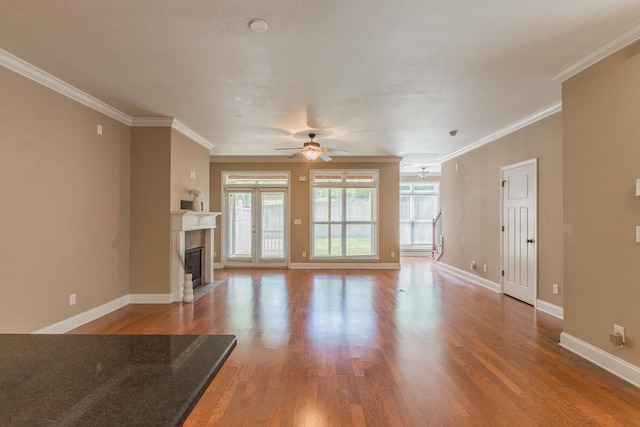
[[418, 207], [277, 179], [344, 214]]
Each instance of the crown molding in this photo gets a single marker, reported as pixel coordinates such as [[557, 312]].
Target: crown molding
[[189, 133], [36, 74], [529, 120], [628, 36], [172, 123]]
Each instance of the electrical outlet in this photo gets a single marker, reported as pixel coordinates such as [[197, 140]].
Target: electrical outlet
[[485, 268], [617, 329], [99, 129], [72, 299], [555, 289], [393, 254], [304, 254]]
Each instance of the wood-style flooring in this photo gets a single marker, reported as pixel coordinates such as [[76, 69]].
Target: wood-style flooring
[[414, 347]]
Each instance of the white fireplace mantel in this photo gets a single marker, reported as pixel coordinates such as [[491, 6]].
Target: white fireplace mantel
[[182, 221]]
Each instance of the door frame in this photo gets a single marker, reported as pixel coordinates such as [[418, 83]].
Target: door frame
[[503, 169], [256, 260]]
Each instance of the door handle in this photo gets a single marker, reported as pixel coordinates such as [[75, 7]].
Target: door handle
[[530, 240]]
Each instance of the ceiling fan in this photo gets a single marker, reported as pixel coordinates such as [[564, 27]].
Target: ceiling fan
[[312, 150]]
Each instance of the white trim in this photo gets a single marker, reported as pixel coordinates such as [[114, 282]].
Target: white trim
[[344, 265], [601, 358], [622, 40], [526, 121], [552, 309], [173, 123], [45, 79], [189, 133], [78, 320], [218, 265], [414, 252], [486, 283], [150, 299]]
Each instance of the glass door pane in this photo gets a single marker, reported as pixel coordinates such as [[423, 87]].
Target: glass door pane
[[241, 226], [272, 222]]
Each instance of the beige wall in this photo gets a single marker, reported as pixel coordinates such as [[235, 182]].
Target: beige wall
[[300, 202], [161, 163], [64, 210], [601, 210], [470, 202], [150, 196], [187, 156]]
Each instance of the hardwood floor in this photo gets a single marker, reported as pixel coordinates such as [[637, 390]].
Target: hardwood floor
[[414, 347]]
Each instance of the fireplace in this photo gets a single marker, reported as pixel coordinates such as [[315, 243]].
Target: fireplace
[[183, 223], [193, 264]]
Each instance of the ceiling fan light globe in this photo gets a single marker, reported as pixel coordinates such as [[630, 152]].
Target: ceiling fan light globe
[[311, 154]]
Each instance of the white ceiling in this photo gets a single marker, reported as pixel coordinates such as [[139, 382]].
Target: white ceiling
[[379, 77]]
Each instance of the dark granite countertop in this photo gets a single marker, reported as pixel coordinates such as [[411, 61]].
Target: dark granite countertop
[[106, 380]]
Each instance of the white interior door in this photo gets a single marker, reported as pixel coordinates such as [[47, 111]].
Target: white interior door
[[519, 224], [256, 227]]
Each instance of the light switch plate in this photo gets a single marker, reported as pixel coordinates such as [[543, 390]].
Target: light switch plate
[[637, 187], [638, 234], [297, 221]]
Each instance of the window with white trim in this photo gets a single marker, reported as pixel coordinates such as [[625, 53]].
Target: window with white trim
[[418, 207], [344, 214]]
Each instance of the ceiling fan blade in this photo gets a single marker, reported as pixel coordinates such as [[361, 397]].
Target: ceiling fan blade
[[325, 157], [291, 148], [313, 118], [337, 152]]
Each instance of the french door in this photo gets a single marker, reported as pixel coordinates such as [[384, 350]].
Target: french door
[[256, 233]]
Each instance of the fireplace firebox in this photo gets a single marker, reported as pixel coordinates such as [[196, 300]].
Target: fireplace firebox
[[193, 264]]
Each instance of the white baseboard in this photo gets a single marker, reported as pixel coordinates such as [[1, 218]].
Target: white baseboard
[[552, 309], [606, 361], [496, 287], [150, 299], [344, 266], [416, 253], [78, 320], [217, 265]]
